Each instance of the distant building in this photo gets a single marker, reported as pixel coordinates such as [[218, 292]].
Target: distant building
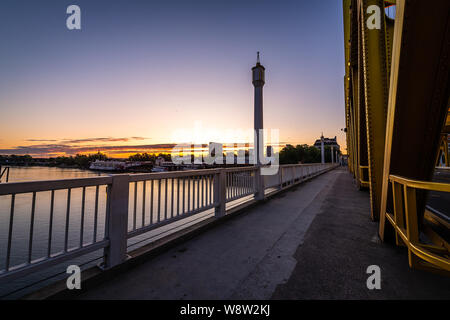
[[161, 162], [328, 142], [114, 165]]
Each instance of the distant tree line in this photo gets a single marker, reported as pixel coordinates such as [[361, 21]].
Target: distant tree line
[[288, 155], [15, 159], [79, 160], [303, 154]]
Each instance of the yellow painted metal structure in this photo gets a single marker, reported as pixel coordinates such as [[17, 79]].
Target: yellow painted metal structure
[[405, 222], [396, 110]]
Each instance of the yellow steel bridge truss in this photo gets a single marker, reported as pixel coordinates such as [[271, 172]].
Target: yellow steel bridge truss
[[397, 122]]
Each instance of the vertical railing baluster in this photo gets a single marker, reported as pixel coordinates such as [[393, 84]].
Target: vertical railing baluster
[[211, 189], [135, 205], [30, 240], [184, 195], [178, 196], [144, 195], [203, 190], [151, 201], [207, 190], [108, 209], [83, 197], [50, 225], [159, 200], [244, 183], [197, 178], [205, 179], [165, 198], [96, 213], [189, 194], [10, 230], [228, 185], [66, 235], [236, 184], [232, 184], [194, 190], [171, 198]]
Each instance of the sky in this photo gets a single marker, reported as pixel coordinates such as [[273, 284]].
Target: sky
[[153, 73]]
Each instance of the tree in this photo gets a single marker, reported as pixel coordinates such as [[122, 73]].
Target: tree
[[142, 157], [299, 154]]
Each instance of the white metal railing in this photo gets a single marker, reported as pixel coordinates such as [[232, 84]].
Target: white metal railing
[[78, 216], [45, 191]]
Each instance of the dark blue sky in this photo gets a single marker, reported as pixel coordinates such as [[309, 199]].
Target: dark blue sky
[[145, 68]]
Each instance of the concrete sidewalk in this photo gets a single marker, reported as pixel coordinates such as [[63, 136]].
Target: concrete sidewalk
[[314, 241], [341, 243], [246, 257]]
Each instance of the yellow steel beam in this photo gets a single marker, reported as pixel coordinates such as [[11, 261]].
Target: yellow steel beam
[[418, 98], [360, 99], [376, 95], [346, 10], [395, 61]]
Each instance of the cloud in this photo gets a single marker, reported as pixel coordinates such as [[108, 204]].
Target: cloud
[[47, 150], [86, 140], [108, 139]]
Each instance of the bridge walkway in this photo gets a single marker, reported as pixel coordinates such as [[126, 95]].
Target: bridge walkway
[[312, 241]]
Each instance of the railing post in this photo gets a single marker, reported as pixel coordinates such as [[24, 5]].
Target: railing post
[[397, 199], [117, 220], [259, 185], [280, 177], [412, 228], [220, 196]]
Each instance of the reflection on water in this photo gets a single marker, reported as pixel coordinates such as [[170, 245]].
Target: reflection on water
[[48, 173]]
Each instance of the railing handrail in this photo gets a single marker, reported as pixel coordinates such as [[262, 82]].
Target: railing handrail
[[135, 177], [424, 185], [48, 185], [58, 184]]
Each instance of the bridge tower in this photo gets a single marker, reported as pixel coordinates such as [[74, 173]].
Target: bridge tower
[[258, 80]]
